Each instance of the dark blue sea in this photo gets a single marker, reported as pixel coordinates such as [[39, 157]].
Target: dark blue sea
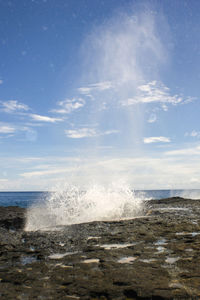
[[22, 199], [26, 199]]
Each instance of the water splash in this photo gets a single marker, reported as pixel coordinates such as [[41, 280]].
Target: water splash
[[190, 194], [187, 194], [71, 205]]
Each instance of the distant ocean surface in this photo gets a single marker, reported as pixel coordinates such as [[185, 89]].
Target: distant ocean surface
[[26, 199]]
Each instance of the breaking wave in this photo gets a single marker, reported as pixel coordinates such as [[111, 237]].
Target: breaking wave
[[71, 205]]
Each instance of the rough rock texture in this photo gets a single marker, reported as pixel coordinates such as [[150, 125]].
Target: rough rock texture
[[156, 256], [12, 217]]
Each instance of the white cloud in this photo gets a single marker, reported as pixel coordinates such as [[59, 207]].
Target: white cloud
[[47, 119], [69, 105], [31, 134], [184, 152], [87, 132], [152, 118], [1, 81], [156, 139], [107, 132], [104, 106], [153, 92], [165, 172], [13, 106], [22, 131], [80, 133], [99, 86], [7, 129], [25, 160], [194, 134], [3, 180], [164, 107], [44, 172]]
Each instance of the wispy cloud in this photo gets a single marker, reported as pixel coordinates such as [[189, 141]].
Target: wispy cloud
[[3, 180], [152, 118], [194, 134], [87, 132], [46, 119], [107, 132], [23, 132], [99, 86], [12, 106], [166, 172], [80, 133], [1, 81], [153, 92], [156, 139], [7, 129], [43, 172], [184, 151], [69, 105]]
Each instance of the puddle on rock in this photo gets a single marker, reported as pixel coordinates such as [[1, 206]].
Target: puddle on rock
[[127, 260], [91, 261], [61, 255], [148, 260], [161, 242], [181, 233], [189, 250], [116, 246], [62, 266], [25, 260], [70, 297], [176, 285], [61, 244], [193, 234], [93, 238], [160, 249], [171, 260], [194, 222]]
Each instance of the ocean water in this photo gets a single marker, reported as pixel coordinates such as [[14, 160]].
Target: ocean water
[[22, 199], [27, 199]]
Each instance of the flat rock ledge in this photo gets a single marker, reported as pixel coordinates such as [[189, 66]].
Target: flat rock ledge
[[155, 256]]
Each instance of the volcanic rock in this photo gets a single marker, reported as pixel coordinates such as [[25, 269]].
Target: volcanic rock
[[155, 256]]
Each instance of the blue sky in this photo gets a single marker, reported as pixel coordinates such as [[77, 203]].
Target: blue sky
[[98, 91]]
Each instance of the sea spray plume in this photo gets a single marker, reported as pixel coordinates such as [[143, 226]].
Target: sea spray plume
[[71, 205], [191, 194], [187, 194], [122, 52], [119, 56]]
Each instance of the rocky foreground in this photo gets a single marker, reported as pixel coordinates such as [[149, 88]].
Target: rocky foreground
[[156, 256]]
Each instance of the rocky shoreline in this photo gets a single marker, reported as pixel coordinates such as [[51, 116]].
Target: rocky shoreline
[[155, 256]]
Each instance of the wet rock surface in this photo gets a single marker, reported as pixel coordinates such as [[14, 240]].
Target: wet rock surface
[[156, 256]]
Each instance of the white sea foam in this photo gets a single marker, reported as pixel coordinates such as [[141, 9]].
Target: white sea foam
[[127, 260], [71, 205], [116, 246]]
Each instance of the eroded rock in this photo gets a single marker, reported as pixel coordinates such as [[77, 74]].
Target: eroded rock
[[153, 257]]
